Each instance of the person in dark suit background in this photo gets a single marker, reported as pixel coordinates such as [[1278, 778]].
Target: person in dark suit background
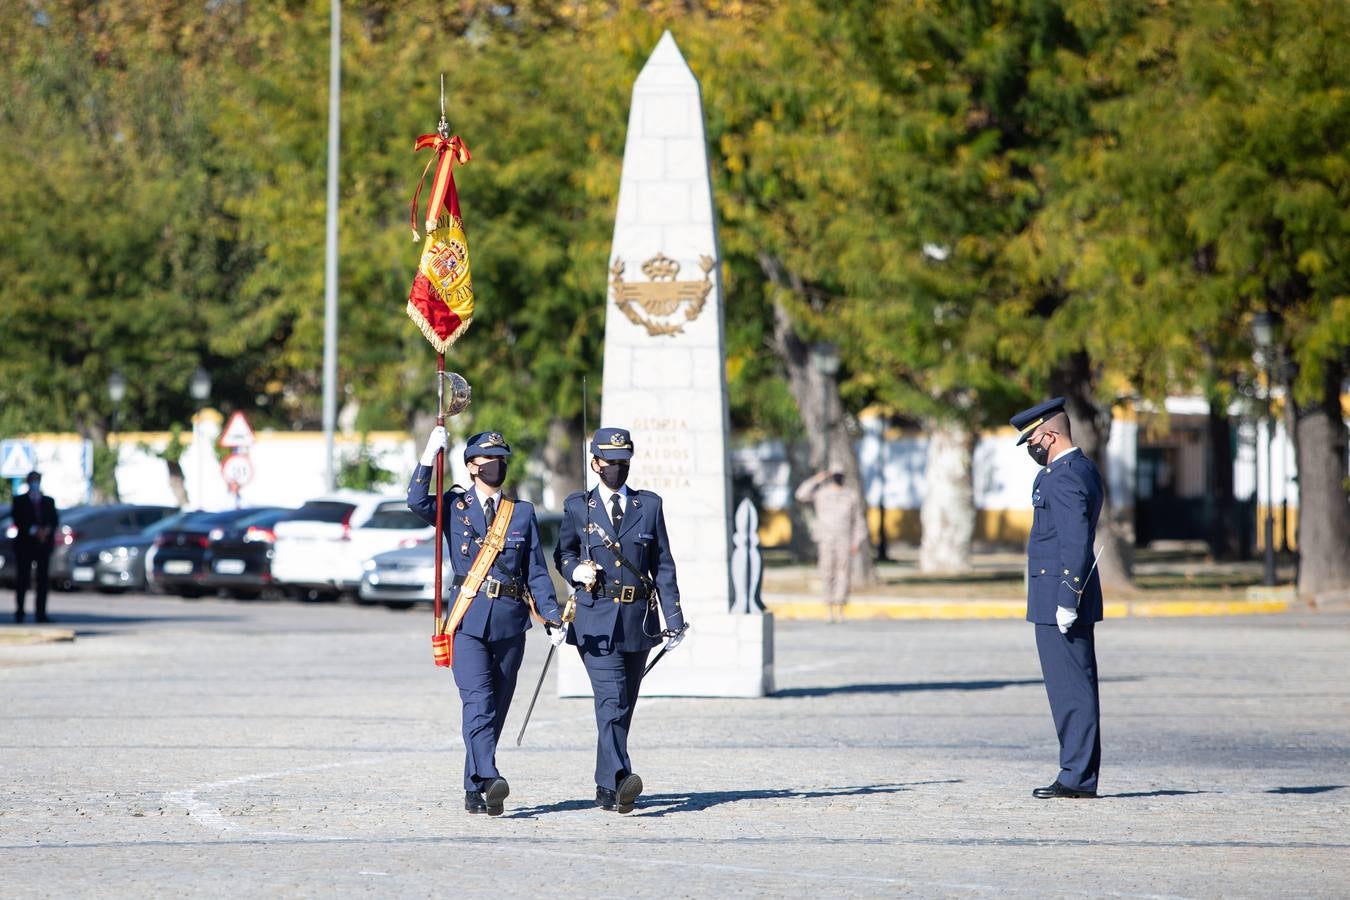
[[1064, 592], [37, 521], [617, 624], [489, 643]]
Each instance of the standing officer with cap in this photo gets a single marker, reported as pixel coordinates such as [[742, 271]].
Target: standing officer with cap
[[490, 640], [613, 546], [1064, 592]]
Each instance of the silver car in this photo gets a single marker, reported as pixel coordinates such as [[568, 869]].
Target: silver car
[[404, 577]]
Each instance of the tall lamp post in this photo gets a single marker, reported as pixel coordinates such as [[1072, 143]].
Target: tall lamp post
[[1265, 328], [825, 358], [200, 388], [117, 392]]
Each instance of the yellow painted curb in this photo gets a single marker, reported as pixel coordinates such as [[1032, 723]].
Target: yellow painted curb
[[1157, 608], [1017, 609]]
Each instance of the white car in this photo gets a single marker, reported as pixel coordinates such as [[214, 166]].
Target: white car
[[320, 547]]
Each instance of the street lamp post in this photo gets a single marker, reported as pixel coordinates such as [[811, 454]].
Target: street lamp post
[[117, 392], [200, 388], [1264, 334], [825, 357]]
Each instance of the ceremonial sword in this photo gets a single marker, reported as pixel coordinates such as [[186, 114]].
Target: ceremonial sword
[[547, 659], [664, 650], [571, 597]]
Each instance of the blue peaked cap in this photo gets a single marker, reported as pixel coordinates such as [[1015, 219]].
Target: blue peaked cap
[[1028, 419]]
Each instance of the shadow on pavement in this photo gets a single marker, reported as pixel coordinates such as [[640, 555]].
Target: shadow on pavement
[[82, 621], [903, 687], [665, 804], [1159, 793], [1310, 789], [910, 687]]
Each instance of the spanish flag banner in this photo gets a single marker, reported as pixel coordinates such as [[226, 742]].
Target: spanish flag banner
[[441, 299]]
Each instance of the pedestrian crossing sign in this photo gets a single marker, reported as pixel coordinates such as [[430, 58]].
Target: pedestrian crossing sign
[[17, 459]]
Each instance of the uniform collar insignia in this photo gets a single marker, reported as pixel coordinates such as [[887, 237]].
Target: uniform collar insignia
[[634, 500]]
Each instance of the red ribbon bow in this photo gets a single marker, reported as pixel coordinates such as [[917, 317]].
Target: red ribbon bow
[[448, 152]]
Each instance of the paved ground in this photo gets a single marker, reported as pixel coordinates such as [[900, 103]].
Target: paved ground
[[216, 748]]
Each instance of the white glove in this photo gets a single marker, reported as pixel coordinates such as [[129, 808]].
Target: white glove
[[584, 574], [1065, 618], [436, 442], [676, 638], [558, 636]]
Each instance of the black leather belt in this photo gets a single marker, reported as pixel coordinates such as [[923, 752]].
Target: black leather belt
[[495, 588], [621, 593]]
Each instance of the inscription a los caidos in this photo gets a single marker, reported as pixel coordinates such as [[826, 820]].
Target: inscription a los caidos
[[666, 454]]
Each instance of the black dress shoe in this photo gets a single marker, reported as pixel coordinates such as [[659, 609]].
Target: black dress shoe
[[43, 620], [604, 798], [628, 791], [1059, 790], [495, 790], [18, 616], [473, 802]]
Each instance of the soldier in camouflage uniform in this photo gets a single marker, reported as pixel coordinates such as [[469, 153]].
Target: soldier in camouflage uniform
[[839, 532]]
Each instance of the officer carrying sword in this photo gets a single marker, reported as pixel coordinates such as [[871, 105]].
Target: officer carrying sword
[[614, 547]]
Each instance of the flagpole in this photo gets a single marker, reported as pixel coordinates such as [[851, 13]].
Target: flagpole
[[440, 483], [330, 332]]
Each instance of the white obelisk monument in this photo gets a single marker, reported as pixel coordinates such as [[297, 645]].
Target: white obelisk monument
[[665, 381]]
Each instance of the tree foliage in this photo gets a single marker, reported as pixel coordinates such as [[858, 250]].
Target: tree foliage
[[974, 201]]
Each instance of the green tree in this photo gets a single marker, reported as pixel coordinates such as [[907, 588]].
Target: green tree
[[114, 255], [1223, 192]]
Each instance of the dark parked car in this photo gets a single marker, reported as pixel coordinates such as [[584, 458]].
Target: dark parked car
[[182, 556], [120, 563], [7, 535], [241, 557], [87, 523]]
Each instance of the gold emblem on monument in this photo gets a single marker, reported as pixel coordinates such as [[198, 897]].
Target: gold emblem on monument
[[661, 304]]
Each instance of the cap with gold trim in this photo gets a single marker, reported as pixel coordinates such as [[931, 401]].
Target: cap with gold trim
[[612, 444], [1029, 419], [486, 443]]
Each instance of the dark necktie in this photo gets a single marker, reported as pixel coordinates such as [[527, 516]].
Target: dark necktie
[[615, 513], [489, 512]]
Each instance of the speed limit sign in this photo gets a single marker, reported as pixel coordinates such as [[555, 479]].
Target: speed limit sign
[[237, 469]]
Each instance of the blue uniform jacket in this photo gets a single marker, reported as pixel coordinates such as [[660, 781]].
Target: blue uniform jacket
[[602, 624], [521, 560], [1066, 499]]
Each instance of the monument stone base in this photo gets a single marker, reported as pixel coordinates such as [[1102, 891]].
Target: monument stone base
[[721, 656]]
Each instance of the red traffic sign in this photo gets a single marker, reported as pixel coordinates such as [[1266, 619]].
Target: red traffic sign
[[237, 470], [237, 432]]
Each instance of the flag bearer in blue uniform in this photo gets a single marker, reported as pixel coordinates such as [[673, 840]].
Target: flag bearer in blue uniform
[[1064, 592], [613, 546], [490, 641]]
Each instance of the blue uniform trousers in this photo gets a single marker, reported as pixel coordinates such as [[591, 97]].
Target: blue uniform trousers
[[485, 672], [1069, 664], [615, 679]]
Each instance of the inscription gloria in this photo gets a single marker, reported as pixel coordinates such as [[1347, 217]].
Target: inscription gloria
[[662, 304]]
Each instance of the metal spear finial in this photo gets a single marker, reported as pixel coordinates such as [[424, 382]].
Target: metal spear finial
[[443, 126]]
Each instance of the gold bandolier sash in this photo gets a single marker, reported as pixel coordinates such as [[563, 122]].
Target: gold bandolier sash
[[482, 563]]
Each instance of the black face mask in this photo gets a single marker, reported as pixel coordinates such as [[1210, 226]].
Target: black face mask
[[837, 478], [493, 472], [614, 475], [1039, 453]]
